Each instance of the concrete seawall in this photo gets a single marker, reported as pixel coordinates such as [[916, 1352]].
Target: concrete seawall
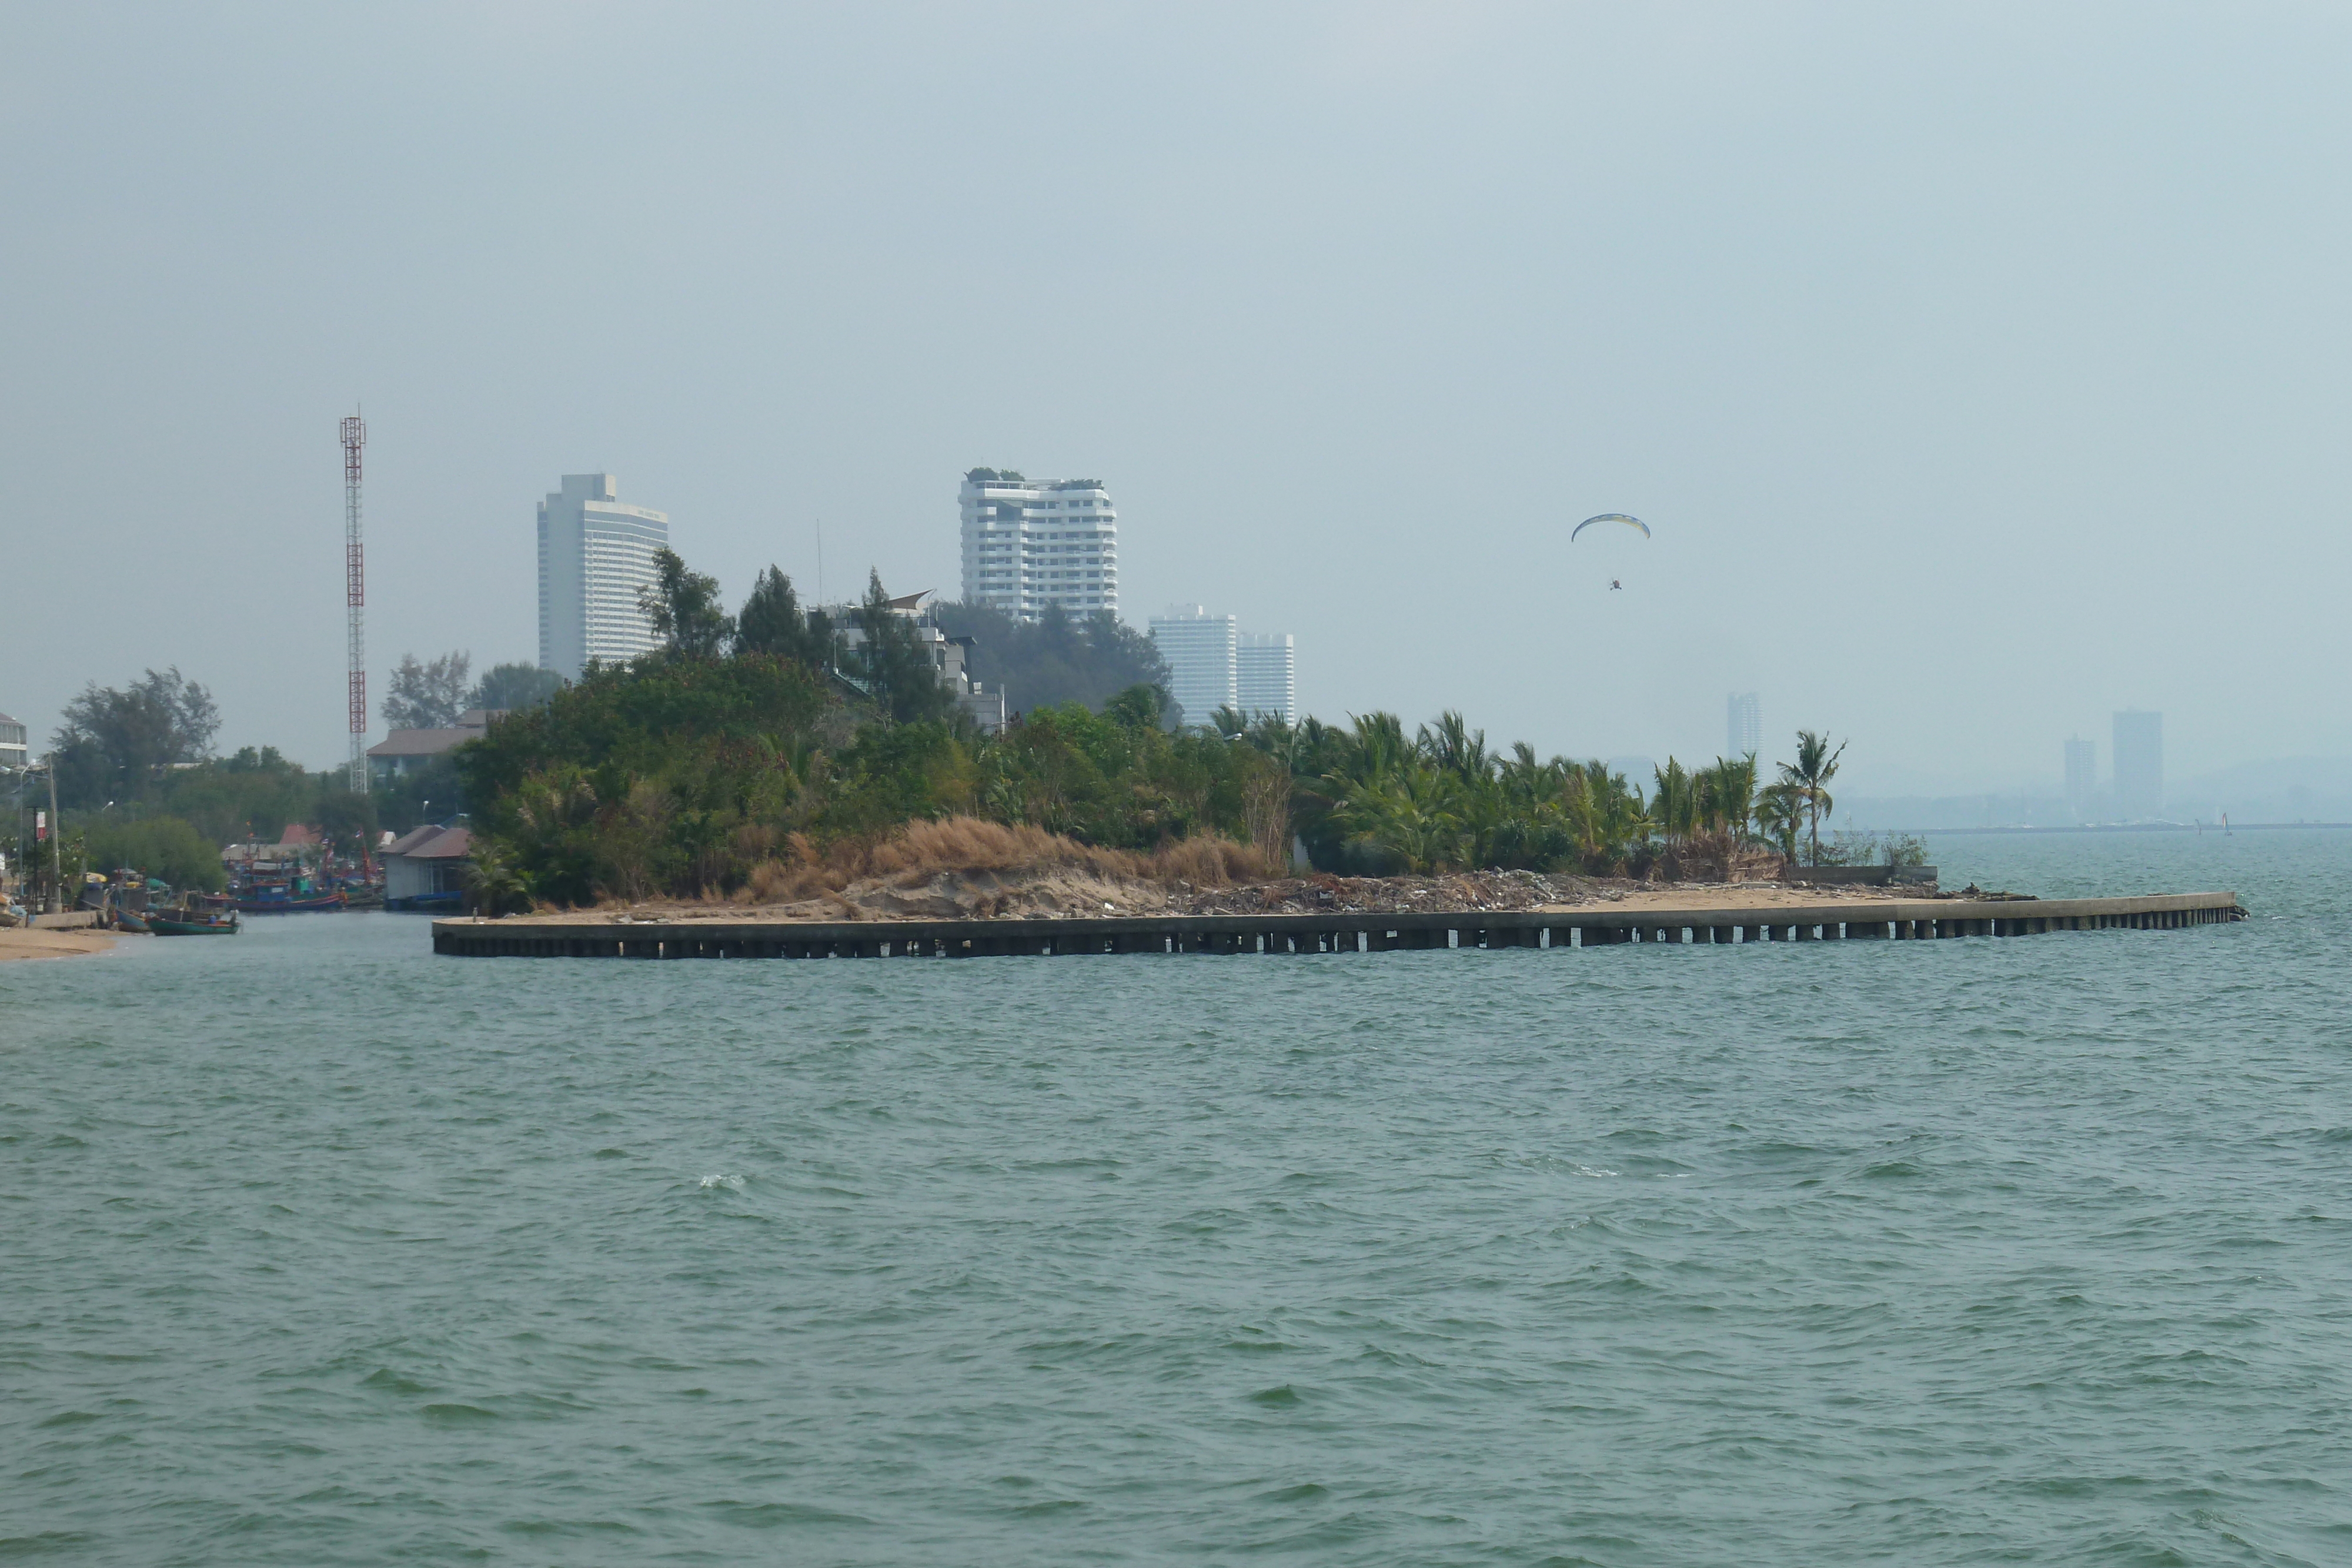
[[1599, 926]]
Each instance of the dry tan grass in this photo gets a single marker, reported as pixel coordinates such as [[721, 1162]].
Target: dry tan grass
[[922, 850]]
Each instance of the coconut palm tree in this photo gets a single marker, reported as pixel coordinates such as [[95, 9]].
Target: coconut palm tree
[[1780, 815], [1808, 776], [1607, 815], [1727, 795], [1454, 747], [494, 882], [1676, 804]]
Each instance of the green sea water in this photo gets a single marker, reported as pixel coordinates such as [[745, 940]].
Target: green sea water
[[315, 1249]]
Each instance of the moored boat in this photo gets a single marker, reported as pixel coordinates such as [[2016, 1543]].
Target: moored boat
[[260, 903], [163, 925]]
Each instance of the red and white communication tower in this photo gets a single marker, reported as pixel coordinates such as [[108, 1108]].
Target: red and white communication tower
[[355, 575]]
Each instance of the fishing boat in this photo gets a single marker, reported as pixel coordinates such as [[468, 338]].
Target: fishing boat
[[202, 925], [279, 901], [131, 921]]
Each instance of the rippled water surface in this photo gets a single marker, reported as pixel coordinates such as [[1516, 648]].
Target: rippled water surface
[[319, 1250]]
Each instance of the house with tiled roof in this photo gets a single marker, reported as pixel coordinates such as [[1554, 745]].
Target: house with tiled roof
[[405, 750], [425, 868]]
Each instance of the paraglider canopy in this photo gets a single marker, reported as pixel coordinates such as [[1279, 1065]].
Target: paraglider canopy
[[1609, 517]]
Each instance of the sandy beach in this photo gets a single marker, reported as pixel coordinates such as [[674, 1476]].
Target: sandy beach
[[20, 943]]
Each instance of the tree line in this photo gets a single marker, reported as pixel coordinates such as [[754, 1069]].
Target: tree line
[[759, 738], [755, 738]]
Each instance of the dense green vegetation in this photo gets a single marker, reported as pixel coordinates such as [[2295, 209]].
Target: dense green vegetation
[[767, 738], [140, 754], [431, 694], [116, 743], [762, 738], [678, 775], [1057, 660], [165, 847]]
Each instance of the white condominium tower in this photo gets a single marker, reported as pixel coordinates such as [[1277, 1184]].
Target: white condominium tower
[[1266, 676], [595, 554], [1200, 649], [1030, 543], [1211, 663], [1743, 724]]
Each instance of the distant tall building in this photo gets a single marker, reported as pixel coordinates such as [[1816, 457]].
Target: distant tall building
[[2081, 774], [1266, 675], [14, 750], [1211, 663], [1743, 724], [595, 554], [1203, 665], [1031, 543], [2138, 753]]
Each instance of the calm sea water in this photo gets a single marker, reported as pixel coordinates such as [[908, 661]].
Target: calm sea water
[[315, 1249]]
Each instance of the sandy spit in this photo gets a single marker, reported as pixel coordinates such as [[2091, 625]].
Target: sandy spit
[[19, 943]]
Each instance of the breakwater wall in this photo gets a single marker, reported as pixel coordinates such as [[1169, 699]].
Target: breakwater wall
[[1597, 926]]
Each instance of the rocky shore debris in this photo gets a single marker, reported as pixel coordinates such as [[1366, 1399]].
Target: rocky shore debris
[[1063, 891]]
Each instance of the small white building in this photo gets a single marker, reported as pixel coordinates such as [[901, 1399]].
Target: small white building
[[14, 751], [425, 868]]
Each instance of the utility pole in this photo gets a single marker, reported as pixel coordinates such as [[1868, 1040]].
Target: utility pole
[[57, 843], [355, 593]]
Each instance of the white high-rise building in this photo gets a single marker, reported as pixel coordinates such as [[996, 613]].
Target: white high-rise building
[[2137, 756], [2082, 773], [1212, 664], [1743, 724], [1266, 675], [594, 555], [1031, 543], [1203, 668]]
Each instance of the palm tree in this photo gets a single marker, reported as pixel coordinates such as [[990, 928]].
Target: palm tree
[[1454, 747], [1781, 814], [494, 882], [1607, 814], [1727, 796], [1809, 777], [1676, 805]]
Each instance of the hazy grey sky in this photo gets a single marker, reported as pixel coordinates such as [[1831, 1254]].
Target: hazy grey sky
[[1981, 369]]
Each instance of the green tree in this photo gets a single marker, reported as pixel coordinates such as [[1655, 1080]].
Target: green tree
[[1780, 815], [1809, 776], [497, 886], [427, 695], [893, 665], [771, 622], [116, 742], [1727, 795], [1676, 805], [169, 848], [682, 607], [1055, 659], [1452, 745], [511, 688]]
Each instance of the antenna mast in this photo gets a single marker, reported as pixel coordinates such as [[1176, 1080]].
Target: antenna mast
[[355, 592]]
